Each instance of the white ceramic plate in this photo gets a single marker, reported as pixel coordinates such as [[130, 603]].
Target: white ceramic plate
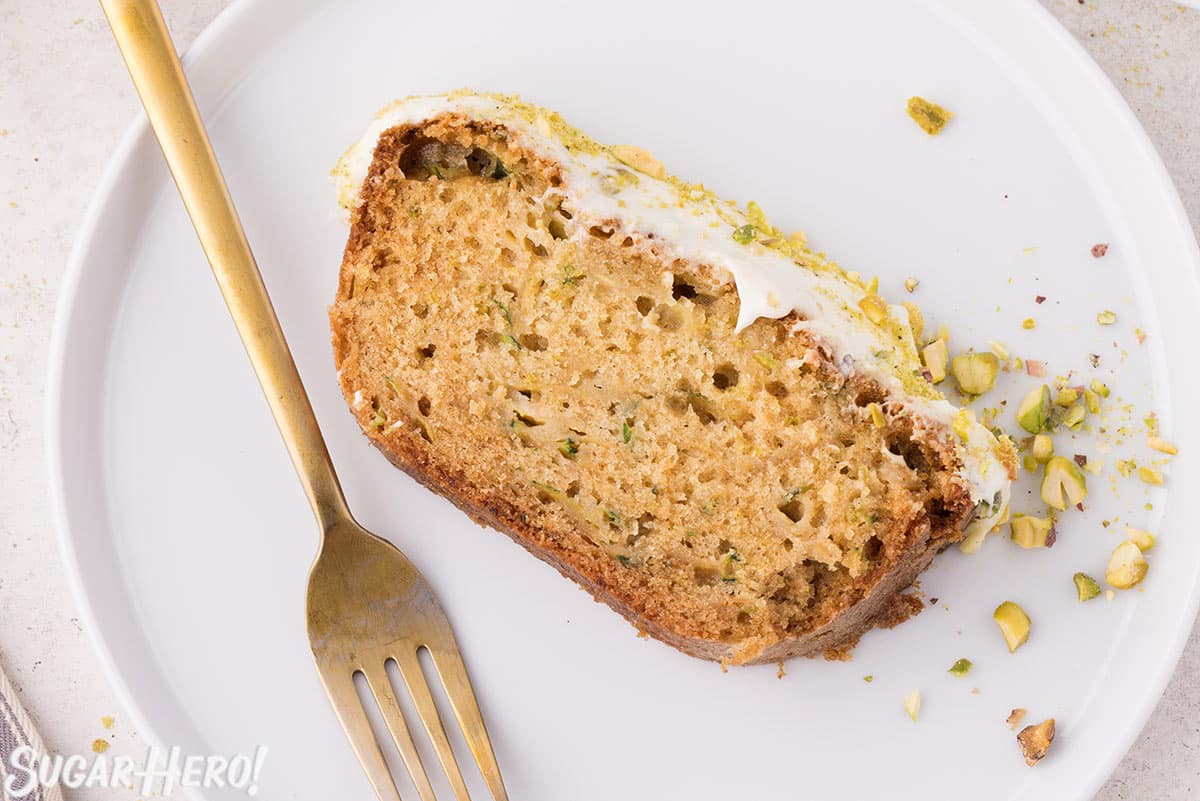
[[190, 541]]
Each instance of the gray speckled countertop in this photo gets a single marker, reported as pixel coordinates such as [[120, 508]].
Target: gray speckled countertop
[[64, 102]]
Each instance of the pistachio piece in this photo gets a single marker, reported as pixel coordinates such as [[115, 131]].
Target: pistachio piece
[[961, 668], [1143, 539], [935, 355], [975, 372], [1031, 532], [1086, 587], [874, 307], [1162, 446], [1063, 483], [916, 321], [963, 422], [1092, 401], [1066, 396], [877, 417], [1043, 448], [1015, 717], [912, 704], [1035, 741], [1034, 410], [1074, 417], [1150, 476], [640, 160], [911, 284], [929, 115], [1014, 624], [1099, 387], [1106, 317], [1029, 323], [1126, 566], [1030, 462]]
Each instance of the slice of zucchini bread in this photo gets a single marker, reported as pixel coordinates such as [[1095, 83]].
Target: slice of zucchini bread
[[719, 433]]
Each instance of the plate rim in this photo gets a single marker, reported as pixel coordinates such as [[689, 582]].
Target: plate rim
[[138, 134]]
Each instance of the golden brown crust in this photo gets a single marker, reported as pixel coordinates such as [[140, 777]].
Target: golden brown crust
[[853, 607]]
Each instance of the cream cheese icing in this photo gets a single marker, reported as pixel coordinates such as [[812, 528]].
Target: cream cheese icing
[[774, 275]]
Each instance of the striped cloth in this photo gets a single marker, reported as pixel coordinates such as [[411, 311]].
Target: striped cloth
[[16, 730]]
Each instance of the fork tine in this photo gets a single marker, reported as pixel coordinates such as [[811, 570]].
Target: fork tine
[[385, 696], [353, 717], [414, 678], [453, 673]]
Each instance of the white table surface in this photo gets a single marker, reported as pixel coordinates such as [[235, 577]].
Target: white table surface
[[64, 102]]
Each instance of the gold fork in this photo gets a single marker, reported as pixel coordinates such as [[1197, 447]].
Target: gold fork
[[367, 604]]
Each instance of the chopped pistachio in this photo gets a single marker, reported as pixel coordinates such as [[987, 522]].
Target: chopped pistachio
[[1035, 741], [1015, 717], [999, 349], [877, 415], [910, 284], [1043, 448], [1063, 483], [765, 359], [1030, 463], [868, 678], [912, 704], [1029, 324], [1065, 397], [1162, 446], [568, 448], [1014, 624], [1143, 539], [963, 421], [745, 234], [929, 115], [1106, 317], [1086, 587], [874, 307], [935, 355], [961, 668], [1031, 532], [626, 432], [1100, 388], [916, 321], [1150, 476], [1126, 566], [1074, 417], [1092, 401], [975, 372], [640, 160], [1034, 410]]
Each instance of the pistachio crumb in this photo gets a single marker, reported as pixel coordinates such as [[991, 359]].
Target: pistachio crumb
[[931, 117], [1086, 587], [1106, 317], [1150, 476], [99, 745], [961, 668], [912, 704], [1015, 717], [1029, 324], [1162, 446], [1126, 566], [911, 284], [1035, 741], [1014, 624]]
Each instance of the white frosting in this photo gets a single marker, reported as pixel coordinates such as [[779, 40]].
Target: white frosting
[[697, 226]]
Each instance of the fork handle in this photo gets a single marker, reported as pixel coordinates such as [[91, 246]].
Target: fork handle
[[150, 56]]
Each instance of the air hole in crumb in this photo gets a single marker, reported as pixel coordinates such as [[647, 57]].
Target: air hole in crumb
[[705, 576], [423, 406], [599, 232], [557, 229], [644, 305], [872, 548], [866, 396], [486, 339], [427, 351], [573, 489], [703, 408], [743, 617], [777, 389], [682, 289], [818, 517], [533, 341], [725, 377], [526, 420], [627, 242], [788, 545], [536, 249], [793, 510], [723, 547], [420, 310]]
